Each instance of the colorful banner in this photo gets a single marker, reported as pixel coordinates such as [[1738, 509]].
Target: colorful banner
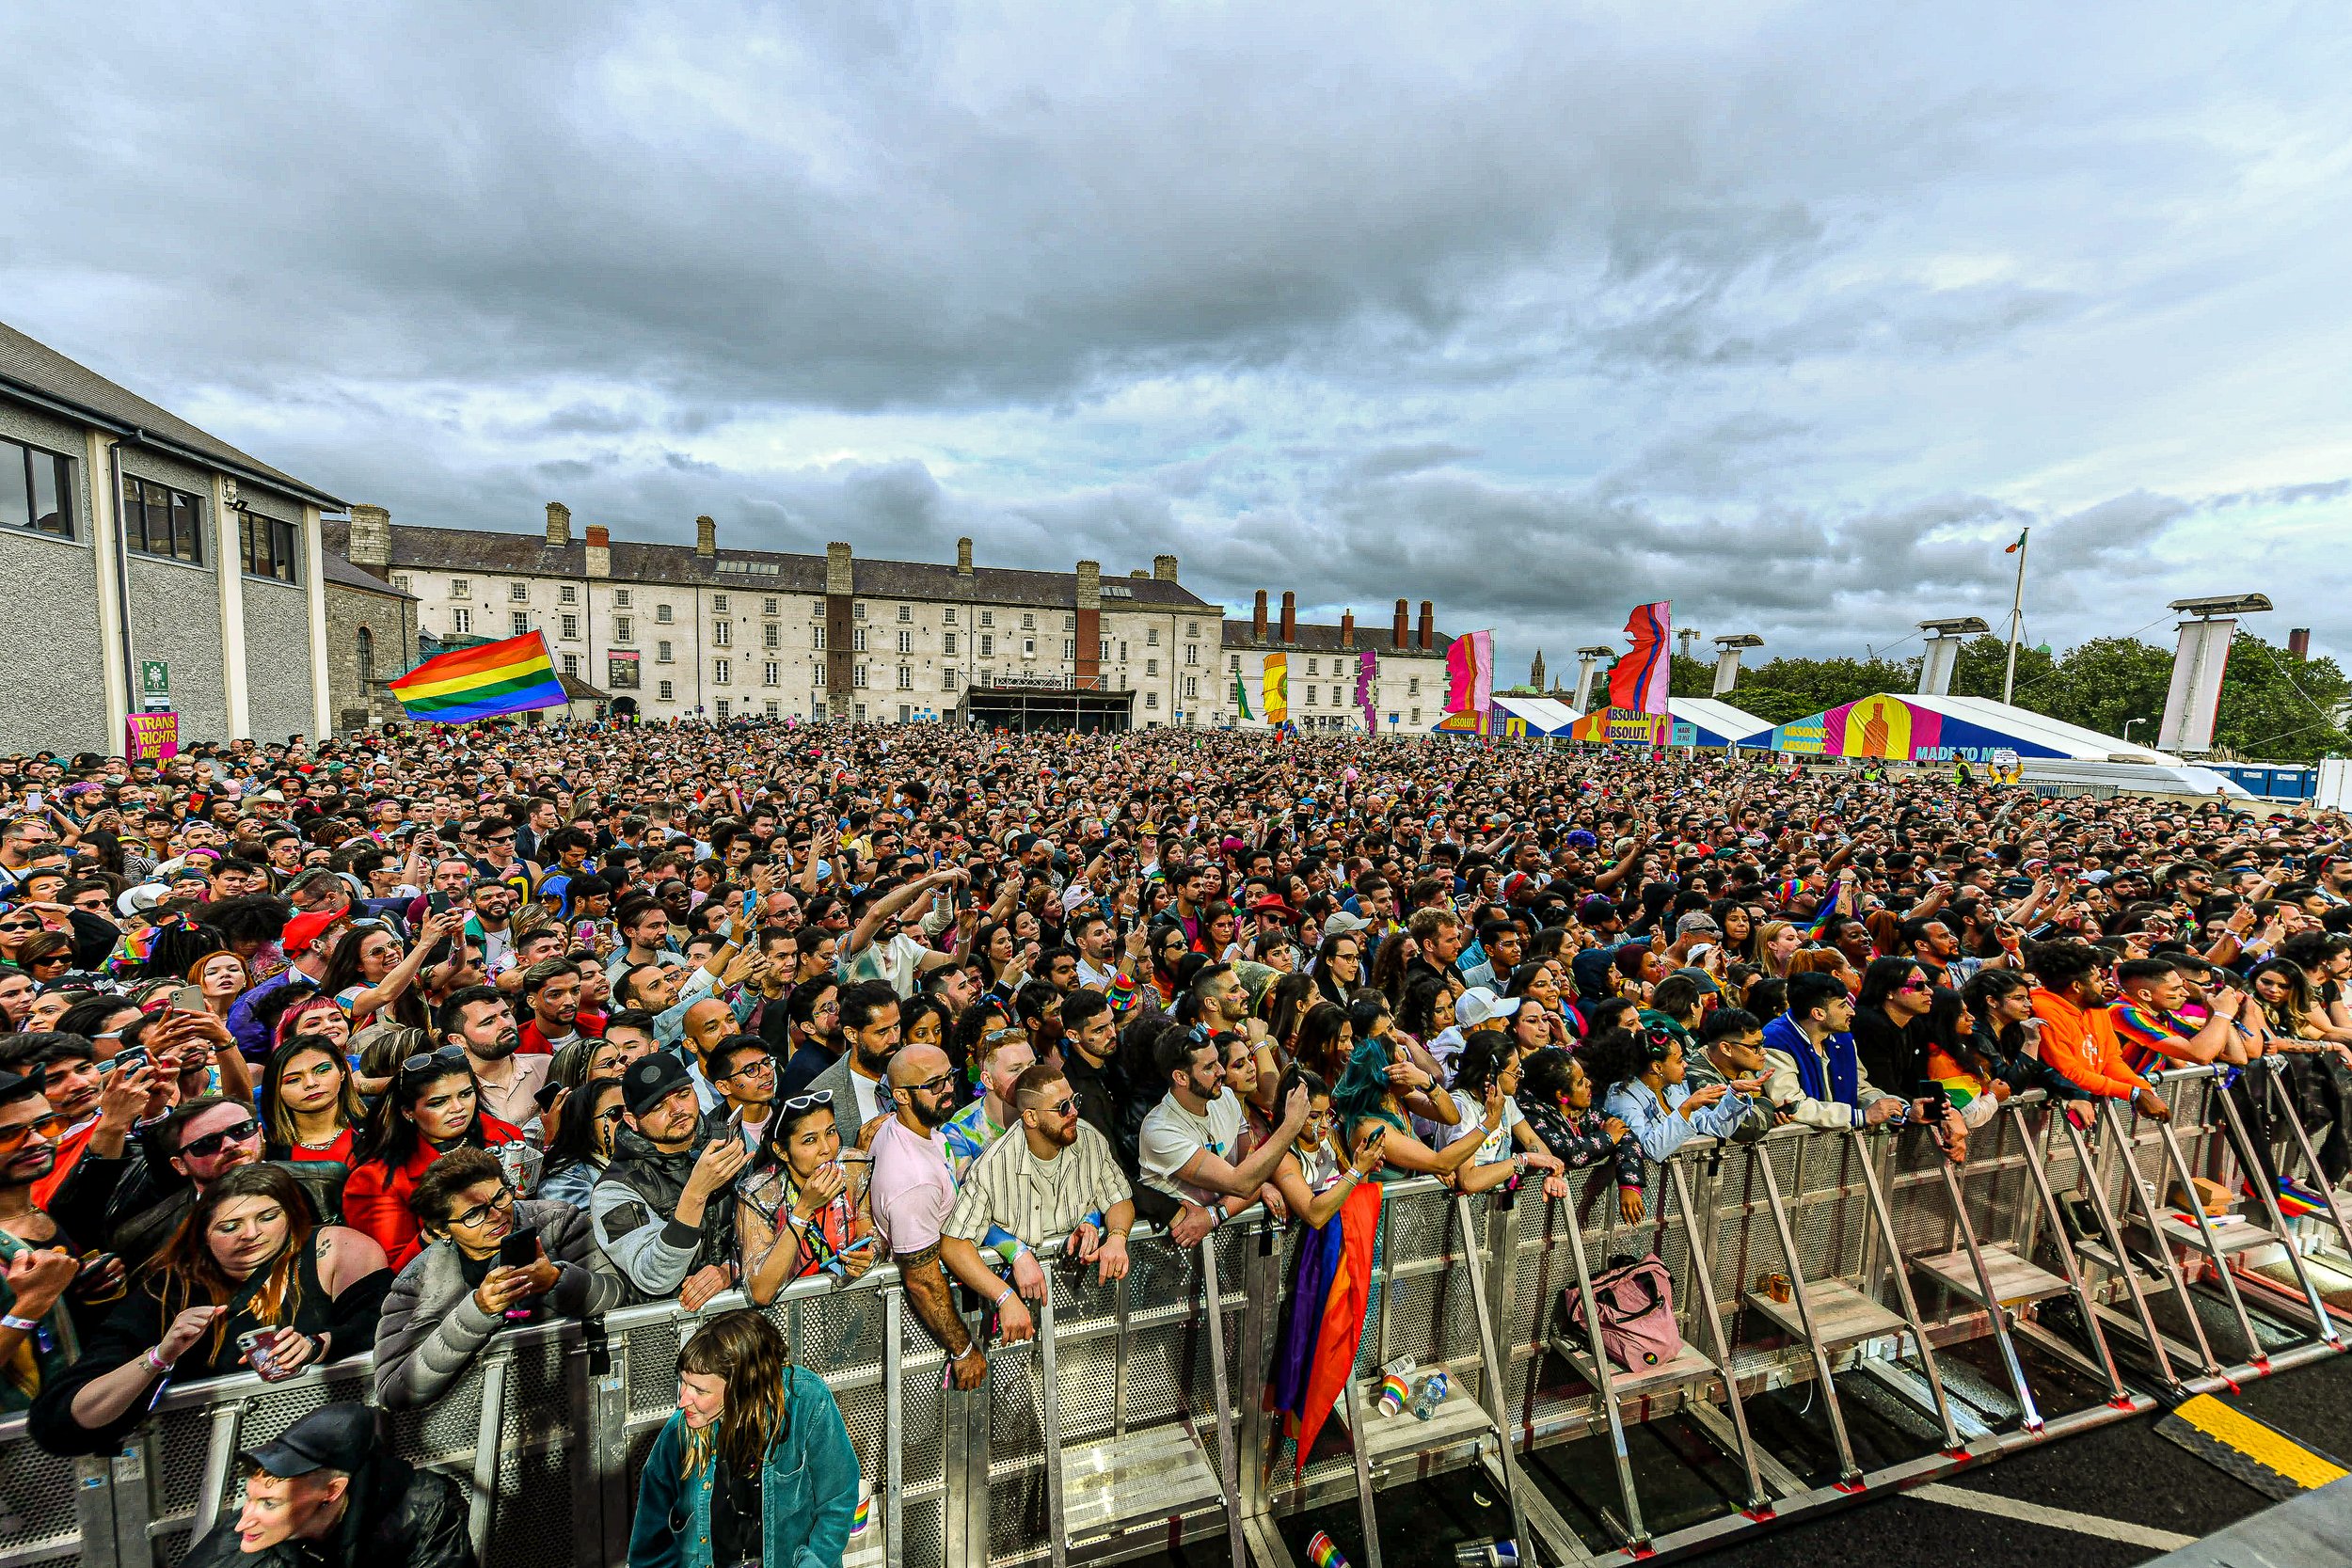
[[1641, 678], [1617, 727], [1888, 726], [151, 736], [513, 676], [1241, 697], [1273, 689], [1368, 690], [1478, 721], [1470, 673]]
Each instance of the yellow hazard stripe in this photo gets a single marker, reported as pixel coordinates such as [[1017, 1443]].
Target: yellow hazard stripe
[[2227, 1425]]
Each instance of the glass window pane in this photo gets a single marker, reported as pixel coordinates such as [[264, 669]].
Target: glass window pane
[[16, 509], [50, 489], [158, 519], [245, 541], [183, 539]]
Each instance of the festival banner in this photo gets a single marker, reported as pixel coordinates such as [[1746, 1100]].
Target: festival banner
[[1273, 689], [1640, 679], [151, 736], [1617, 727], [1368, 690], [1888, 726], [1470, 673]]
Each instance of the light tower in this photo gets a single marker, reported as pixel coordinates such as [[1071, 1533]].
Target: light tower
[[1943, 640], [2198, 663], [1727, 652]]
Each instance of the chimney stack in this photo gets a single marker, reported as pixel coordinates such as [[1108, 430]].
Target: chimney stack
[[1428, 627], [1089, 585], [1086, 675], [2298, 641], [963, 558], [1290, 617], [1397, 633], [559, 526], [1257, 619], [706, 538], [837, 568], [1347, 628], [371, 542], [599, 551], [1164, 568]]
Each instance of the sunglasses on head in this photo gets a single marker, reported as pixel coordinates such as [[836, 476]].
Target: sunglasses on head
[[449, 1055], [213, 1143], [804, 1102]]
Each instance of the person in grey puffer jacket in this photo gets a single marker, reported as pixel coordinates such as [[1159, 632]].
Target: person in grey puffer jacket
[[664, 1209], [455, 1294]]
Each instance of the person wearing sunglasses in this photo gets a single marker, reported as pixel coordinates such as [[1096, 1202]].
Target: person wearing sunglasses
[[461, 1289], [38, 1264], [433, 1106], [583, 1144], [250, 1283], [1895, 993], [799, 1208]]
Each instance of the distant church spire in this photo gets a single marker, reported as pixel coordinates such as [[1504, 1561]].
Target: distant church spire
[[1536, 675]]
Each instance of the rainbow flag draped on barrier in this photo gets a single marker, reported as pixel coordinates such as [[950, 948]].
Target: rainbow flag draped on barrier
[[1322, 1320], [1638, 682], [512, 676]]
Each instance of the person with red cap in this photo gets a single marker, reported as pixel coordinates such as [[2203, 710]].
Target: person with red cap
[[305, 940]]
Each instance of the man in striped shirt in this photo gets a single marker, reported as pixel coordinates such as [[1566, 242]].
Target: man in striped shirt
[[1051, 1177]]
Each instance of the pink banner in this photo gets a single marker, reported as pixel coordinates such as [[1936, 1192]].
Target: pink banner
[[1368, 690]]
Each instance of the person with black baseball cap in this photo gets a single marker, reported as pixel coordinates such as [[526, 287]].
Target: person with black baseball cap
[[664, 1209], [329, 1493]]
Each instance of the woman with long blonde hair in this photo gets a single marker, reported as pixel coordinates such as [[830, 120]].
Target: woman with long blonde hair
[[754, 1466]]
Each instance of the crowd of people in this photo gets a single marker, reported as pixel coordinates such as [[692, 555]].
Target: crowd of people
[[390, 1042]]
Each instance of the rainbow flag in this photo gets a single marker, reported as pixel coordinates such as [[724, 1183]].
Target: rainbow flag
[[512, 676], [1323, 1320]]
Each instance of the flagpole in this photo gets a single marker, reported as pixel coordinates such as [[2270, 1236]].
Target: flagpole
[[2016, 619]]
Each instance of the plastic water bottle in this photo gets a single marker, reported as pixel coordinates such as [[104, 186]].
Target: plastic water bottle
[[1432, 1395], [1499, 1552]]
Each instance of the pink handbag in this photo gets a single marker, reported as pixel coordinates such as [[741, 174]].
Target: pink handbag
[[1636, 1306]]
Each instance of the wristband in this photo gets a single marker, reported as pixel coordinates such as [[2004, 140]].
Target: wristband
[[161, 1367], [1000, 1297], [23, 1325]]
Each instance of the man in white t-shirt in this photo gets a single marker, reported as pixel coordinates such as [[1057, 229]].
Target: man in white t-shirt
[[899, 960], [1187, 1140]]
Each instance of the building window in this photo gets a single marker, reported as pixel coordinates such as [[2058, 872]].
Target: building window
[[1070, 623], [666, 692], [404, 582], [988, 644], [906, 612], [1417, 717], [857, 711], [267, 546], [620, 598], [857, 610], [1310, 668], [723, 708], [461, 622], [773, 708], [1122, 650], [1412, 688], [857, 640], [906, 677], [1150, 637], [947, 642], [1028, 647], [159, 520], [1102, 650], [719, 604], [460, 588], [988, 617], [816, 637], [661, 614], [365, 649], [771, 635], [624, 628], [857, 677], [1232, 665], [1192, 629], [905, 713], [1192, 686], [722, 673], [1151, 699], [519, 592], [518, 624], [906, 641], [1192, 653], [1311, 696], [722, 635], [1070, 647], [570, 627], [768, 607], [949, 618], [571, 665], [1028, 622], [567, 595], [36, 490], [662, 653], [1150, 667], [948, 679], [771, 673]]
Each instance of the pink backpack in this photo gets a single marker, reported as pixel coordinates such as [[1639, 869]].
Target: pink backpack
[[1636, 1305]]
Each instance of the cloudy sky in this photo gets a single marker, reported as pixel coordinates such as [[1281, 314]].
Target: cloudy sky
[[1792, 312]]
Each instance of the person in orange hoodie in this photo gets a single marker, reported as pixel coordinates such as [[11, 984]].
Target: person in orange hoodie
[[2078, 1034]]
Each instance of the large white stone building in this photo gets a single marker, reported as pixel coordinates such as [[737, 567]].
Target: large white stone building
[[674, 631]]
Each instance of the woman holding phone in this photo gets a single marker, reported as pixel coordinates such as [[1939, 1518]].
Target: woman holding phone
[[489, 1257], [800, 1208]]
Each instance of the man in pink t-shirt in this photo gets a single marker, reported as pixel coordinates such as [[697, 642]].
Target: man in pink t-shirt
[[912, 1192]]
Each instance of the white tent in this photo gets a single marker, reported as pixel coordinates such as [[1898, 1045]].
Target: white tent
[[1716, 721], [1543, 716]]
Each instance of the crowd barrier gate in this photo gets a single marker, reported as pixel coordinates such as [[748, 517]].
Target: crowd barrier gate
[[1852, 1262]]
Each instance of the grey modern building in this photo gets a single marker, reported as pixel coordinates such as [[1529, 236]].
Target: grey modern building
[[131, 539]]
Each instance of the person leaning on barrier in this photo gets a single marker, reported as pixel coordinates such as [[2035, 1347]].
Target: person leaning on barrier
[[754, 1467], [249, 1282], [914, 1193], [1728, 1044], [457, 1293], [1556, 1097], [664, 1209], [37, 1340], [1812, 1074], [1049, 1177], [1187, 1138], [330, 1493], [799, 1208], [2077, 1033]]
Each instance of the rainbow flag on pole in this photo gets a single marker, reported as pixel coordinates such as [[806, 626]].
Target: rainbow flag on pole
[[512, 676]]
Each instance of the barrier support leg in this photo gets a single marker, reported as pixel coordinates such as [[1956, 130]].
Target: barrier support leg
[[2089, 1307], [1635, 1533], [1849, 1473], [2118, 1137], [2323, 1322], [488, 1428], [2111, 1237], [893, 1431], [94, 1511], [2029, 1414], [1883, 1219], [1367, 1517], [2178, 1160], [220, 1458], [1490, 1381], [135, 1548], [2273, 1070], [1227, 1461], [1719, 1344], [1049, 1426]]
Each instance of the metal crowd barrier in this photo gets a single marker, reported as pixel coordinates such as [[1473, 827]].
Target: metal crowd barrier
[[1855, 1264]]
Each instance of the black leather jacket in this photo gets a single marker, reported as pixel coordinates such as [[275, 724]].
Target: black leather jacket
[[402, 1517]]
